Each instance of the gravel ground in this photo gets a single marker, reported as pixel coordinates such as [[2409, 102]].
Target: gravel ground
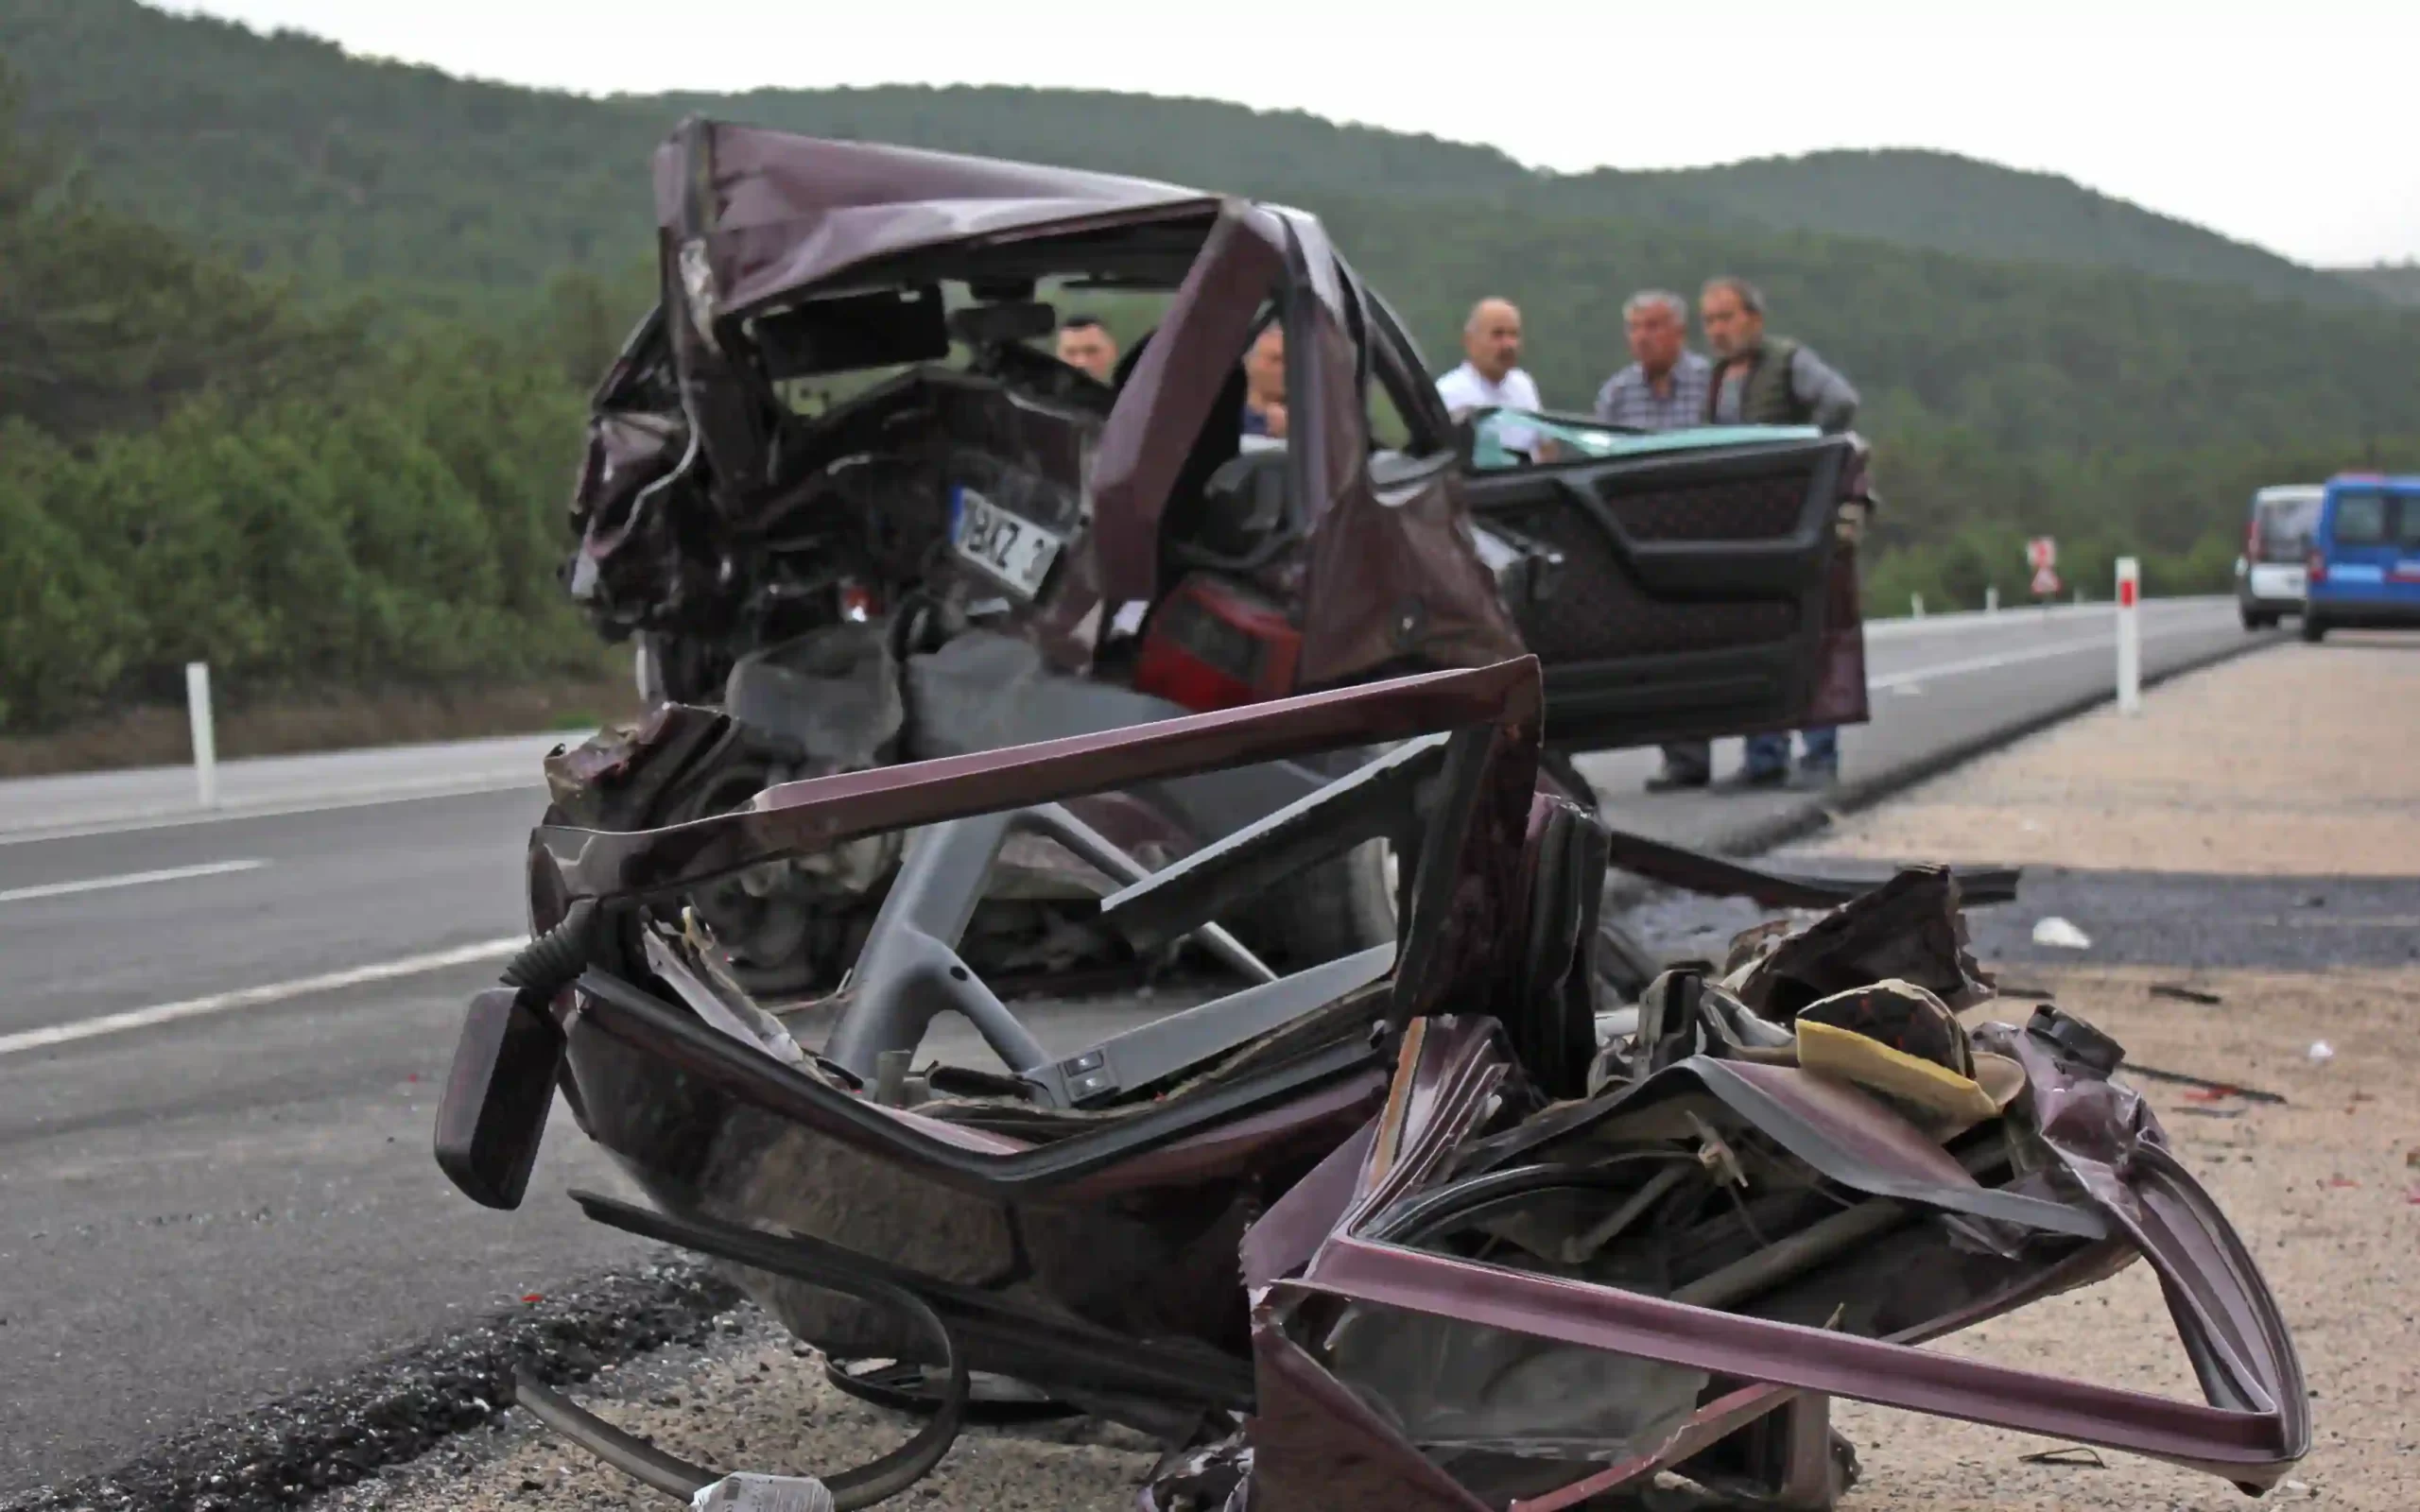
[[758, 1403], [2288, 761]]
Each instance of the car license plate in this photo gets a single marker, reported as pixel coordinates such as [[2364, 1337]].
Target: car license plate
[[1004, 546]]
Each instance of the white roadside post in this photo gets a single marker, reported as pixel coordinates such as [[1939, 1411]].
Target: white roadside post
[[1991, 598], [205, 742], [1915, 606], [2130, 637]]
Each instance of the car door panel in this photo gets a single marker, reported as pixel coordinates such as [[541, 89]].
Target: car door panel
[[1701, 592]]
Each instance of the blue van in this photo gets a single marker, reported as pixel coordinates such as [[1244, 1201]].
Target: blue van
[[2364, 567]]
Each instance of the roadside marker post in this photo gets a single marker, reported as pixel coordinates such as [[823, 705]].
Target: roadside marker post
[[1991, 598], [205, 741], [1915, 606], [2130, 637]]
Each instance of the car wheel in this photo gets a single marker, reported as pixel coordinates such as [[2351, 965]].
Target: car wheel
[[2314, 628], [2254, 620], [1338, 908]]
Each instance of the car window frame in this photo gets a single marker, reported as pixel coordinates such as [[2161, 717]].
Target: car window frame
[[2385, 533], [2403, 532]]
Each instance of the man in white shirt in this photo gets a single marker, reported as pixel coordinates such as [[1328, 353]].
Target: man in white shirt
[[1490, 376]]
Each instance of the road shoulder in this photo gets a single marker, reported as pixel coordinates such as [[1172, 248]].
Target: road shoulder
[[2298, 761]]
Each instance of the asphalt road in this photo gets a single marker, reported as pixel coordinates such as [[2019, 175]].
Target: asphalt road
[[221, 1039], [2187, 920]]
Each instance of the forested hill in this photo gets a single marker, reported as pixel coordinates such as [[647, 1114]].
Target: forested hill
[[294, 153], [1954, 204], [2399, 281]]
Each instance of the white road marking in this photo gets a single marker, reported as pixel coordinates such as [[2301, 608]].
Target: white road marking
[[131, 879], [2015, 618], [1890, 681], [252, 997], [409, 791]]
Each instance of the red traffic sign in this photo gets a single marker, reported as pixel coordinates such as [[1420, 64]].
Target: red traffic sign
[[2042, 553], [2045, 583]]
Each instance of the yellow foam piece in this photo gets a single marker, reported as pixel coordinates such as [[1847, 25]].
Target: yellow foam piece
[[1859, 1058]]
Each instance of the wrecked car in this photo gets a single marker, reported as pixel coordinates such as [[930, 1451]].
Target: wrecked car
[[854, 515], [1431, 1224]]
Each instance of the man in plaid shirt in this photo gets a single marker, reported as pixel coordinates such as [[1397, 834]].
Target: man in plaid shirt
[[1664, 388]]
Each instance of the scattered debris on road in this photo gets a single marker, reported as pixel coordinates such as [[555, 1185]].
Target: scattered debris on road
[[2058, 933], [2202, 1084], [2024, 994], [2077, 1455], [764, 1493], [1450, 1221], [2181, 993]]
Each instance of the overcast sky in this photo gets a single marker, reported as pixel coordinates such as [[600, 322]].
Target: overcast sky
[[2289, 124]]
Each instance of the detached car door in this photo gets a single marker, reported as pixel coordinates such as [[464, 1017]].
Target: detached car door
[[1674, 586]]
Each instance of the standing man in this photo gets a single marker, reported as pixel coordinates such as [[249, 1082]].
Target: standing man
[[1763, 380], [1085, 343], [1664, 386], [1663, 389], [1491, 376]]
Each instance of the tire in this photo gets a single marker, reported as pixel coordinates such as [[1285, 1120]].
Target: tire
[[2314, 628], [1334, 909], [2253, 621]]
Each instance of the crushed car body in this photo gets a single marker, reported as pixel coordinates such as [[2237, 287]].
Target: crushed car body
[[853, 515], [1434, 1224]]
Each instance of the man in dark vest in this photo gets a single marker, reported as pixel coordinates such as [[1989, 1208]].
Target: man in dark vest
[[1763, 380]]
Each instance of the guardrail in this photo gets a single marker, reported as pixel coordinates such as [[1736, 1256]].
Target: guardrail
[[1969, 619]]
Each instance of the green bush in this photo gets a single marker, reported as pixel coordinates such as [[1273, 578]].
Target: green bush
[[65, 628], [379, 538]]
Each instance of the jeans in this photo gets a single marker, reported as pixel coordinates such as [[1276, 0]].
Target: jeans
[[1770, 752]]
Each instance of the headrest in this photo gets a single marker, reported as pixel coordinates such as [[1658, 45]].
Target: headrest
[[998, 325]]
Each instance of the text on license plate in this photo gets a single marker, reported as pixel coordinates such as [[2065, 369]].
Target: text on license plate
[[1012, 549]]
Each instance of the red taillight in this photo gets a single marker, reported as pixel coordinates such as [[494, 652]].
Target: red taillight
[[1213, 644], [2315, 568], [2252, 542]]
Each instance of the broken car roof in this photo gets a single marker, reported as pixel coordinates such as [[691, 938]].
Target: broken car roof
[[780, 212]]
